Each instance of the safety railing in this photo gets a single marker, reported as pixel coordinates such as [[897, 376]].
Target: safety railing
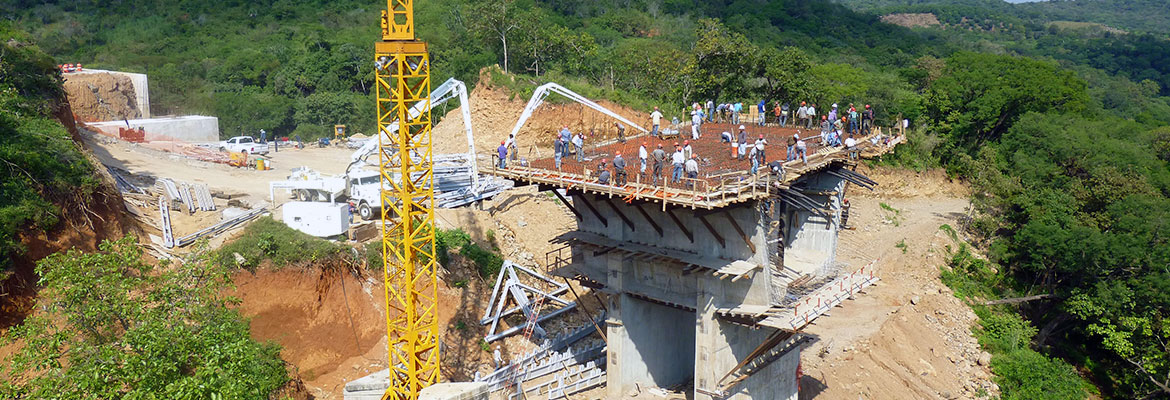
[[560, 257]]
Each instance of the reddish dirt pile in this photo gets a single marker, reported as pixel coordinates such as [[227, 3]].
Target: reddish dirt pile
[[101, 97], [319, 318]]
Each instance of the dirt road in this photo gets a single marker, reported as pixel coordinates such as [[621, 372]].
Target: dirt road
[[908, 337]]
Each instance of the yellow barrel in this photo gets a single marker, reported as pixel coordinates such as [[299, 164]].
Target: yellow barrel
[[260, 164]]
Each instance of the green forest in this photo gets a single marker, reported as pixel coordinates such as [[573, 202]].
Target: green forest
[[1062, 130]]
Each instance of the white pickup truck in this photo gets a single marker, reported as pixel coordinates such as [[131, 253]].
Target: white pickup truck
[[243, 144]]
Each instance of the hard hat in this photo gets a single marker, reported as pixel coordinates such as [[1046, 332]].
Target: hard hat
[[802, 103], [618, 153], [645, 143], [867, 106], [686, 142], [761, 136], [741, 127], [834, 105]]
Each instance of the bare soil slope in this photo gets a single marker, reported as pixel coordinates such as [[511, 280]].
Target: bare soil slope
[[908, 336], [102, 97]]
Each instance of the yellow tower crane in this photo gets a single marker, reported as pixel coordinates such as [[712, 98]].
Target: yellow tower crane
[[402, 69]]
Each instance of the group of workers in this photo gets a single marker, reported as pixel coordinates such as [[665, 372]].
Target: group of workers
[[683, 161]]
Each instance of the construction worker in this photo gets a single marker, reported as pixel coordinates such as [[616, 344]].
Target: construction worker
[[677, 159], [866, 120], [692, 168], [710, 109], [762, 110], [619, 169], [263, 136], [511, 144], [760, 143], [496, 356], [754, 157], [567, 138], [579, 143], [812, 116], [742, 142], [851, 146], [603, 174], [687, 150], [696, 122], [802, 149], [503, 153], [791, 154], [659, 159], [559, 150], [643, 155], [621, 131], [854, 121], [655, 121], [802, 114]]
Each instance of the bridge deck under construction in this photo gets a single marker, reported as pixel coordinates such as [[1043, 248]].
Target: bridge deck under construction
[[722, 179]]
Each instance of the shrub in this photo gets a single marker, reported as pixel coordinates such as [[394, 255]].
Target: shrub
[[116, 327]]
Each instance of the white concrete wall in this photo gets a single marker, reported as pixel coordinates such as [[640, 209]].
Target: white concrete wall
[[812, 239], [190, 128], [651, 347]]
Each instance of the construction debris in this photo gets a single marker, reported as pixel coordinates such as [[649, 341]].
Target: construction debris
[[573, 368], [220, 227]]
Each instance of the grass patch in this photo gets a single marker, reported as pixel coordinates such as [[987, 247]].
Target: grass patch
[[272, 240], [902, 245], [447, 241], [892, 215]]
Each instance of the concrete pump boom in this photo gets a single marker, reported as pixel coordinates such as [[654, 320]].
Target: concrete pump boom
[[543, 91], [448, 90]]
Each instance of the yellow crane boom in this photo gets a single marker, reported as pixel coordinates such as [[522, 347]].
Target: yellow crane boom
[[402, 69]]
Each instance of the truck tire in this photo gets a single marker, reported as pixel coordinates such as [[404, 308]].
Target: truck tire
[[365, 211], [303, 195]]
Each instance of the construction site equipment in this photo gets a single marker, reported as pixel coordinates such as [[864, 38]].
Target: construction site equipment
[[317, 219], [402, 69], [556, 357], [518, 292], [339, 132], [545, 90], [456, 176]]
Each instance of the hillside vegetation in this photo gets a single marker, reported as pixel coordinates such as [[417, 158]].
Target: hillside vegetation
[[42, 172], [1062, 131]]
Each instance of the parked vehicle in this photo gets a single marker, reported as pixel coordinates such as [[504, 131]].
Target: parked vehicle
[[243, 144]]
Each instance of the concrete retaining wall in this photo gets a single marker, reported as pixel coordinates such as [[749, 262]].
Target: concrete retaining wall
[[190, 128]]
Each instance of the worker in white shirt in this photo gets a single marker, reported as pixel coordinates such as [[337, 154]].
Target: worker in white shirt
[[656, 120], [643, 154]]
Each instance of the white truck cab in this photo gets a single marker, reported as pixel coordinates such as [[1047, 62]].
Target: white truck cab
[[363, 189], [243, 144]]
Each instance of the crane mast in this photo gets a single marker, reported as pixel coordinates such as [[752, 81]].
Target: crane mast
[[402, 69]]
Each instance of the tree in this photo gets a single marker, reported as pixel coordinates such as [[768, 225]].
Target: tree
[[786, 73], [497, 17], [980, 96], [113, 326], [722, 60]]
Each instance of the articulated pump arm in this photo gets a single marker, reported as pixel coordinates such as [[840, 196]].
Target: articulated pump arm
[[543, 91], [448, 90]]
